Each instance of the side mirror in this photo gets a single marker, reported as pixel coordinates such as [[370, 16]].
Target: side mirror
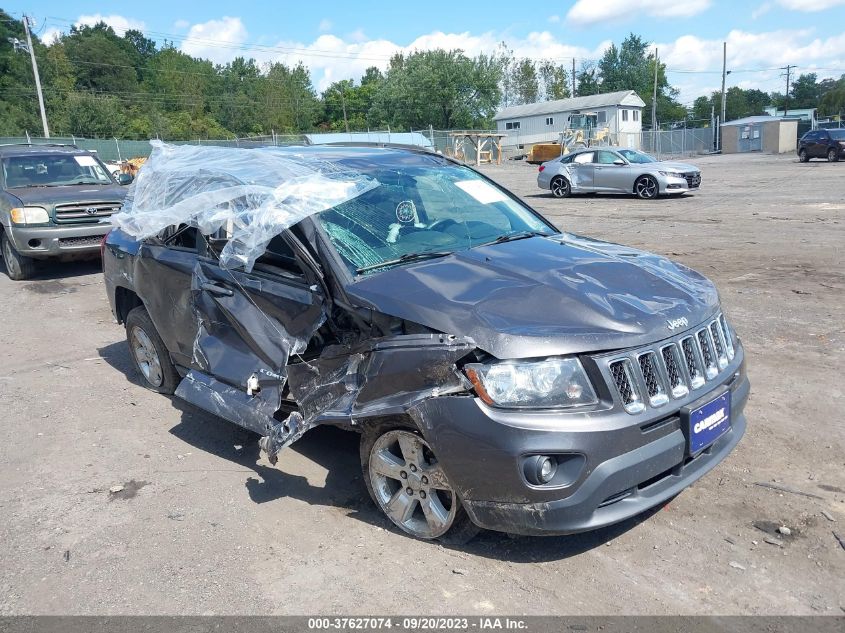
[[619, 162], [124, 179]]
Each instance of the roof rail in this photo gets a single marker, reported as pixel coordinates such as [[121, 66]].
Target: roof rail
[[413, 148], [30, 144]]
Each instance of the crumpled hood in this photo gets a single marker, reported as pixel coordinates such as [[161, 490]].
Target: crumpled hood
[[544, 296], [50, 196]]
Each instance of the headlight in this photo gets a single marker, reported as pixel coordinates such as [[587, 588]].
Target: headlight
[[676, 174], [29, 215], [551, 383]]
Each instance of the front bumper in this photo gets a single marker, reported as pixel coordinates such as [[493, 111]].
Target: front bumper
[[673, 185], [57, 241], [629, 467]]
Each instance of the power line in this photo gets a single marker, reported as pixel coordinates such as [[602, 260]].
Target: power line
[[788, 68]]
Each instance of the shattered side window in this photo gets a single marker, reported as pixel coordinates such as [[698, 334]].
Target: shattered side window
[[180, 236]]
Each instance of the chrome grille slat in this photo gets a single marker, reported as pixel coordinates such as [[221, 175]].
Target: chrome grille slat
[[626, 387], [718, 344], [673, 368], [705, 346], [695, 366], [77, 212], [728, 340], [652, 379], [674, 371]]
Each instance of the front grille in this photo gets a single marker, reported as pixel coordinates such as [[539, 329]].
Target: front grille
[[85, 212], [693, 179], [673, 369], [88, 240]]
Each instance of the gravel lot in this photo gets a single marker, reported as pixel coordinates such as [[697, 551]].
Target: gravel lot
[[204, 526]]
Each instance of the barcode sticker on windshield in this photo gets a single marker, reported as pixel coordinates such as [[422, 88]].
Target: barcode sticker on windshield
[[85, 161], [481, 191]]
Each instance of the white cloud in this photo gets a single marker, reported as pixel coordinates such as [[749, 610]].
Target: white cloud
[[119, 23], [762, 10], [50, 35], [181, 25], [325, 25], [754, 59], [589, 12], [217, 40], [810, 5], [554, 19], [332, 58]]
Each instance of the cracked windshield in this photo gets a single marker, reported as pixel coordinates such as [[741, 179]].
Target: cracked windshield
[[420, 212]]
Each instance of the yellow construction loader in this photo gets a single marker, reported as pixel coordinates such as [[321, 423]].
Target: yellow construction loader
[[581, 131]]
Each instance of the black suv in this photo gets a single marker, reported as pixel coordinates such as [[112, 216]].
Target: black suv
[[52, 198], [829, 144], [502, 374]]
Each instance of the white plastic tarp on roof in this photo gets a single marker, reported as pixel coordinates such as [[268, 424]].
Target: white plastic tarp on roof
[[254, 194]]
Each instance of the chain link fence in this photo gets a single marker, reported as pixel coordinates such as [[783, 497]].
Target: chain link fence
[[455, 143]]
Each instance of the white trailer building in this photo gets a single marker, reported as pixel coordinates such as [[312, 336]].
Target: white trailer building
[[525, 125]]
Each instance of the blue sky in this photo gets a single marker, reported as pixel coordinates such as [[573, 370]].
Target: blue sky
[[340, 39]]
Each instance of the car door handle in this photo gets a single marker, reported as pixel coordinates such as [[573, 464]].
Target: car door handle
[[216, 289]]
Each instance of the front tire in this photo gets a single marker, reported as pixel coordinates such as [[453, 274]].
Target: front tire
[[149, 354], [803, 156], [18, 267], [560, 187], [646, 188], [832, 155], [405, 480]]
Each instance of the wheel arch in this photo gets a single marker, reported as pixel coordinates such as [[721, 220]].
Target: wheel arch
[[125, 300]]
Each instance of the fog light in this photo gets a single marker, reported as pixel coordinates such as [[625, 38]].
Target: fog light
[[547, 469], [540, 469]]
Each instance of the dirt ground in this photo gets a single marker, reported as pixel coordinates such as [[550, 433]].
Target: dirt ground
[[203, 526]]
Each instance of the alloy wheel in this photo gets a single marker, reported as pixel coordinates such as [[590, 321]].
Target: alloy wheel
[[146, 357], [646, 188], [560, 187], [832, 155], [409, 485]]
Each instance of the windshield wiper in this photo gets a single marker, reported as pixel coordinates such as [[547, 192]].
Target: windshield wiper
[[511, 237], [407, 257]]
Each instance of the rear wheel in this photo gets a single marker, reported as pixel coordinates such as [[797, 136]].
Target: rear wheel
[[832, 155], [803, 156], [646, 188], [404, 478], [18, 267], [560, 187], [149, 353]]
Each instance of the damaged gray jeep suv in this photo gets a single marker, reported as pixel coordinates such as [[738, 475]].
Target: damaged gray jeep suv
[[502, 374]]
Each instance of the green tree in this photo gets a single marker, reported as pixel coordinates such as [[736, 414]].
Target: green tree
[[102, 61], [554, 79], [95, 116], [588, 80], [526, 86], [832, 102], [442, 88], [805, 92]]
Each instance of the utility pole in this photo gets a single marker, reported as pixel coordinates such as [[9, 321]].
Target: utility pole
[[343, 102], [724, 74], [37, 77], [788, 68], [573, 78], [654, 94]]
